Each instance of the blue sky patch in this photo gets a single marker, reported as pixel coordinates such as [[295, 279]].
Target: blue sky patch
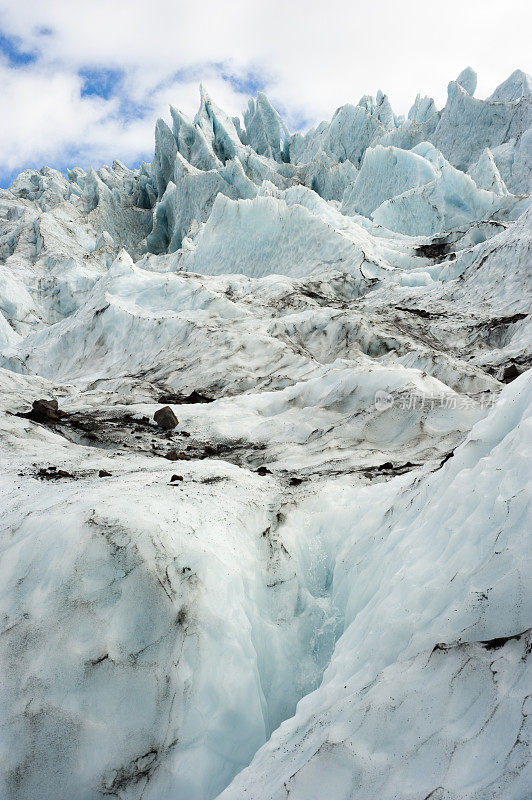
[[11, 49], [101, 82], [248, 84]]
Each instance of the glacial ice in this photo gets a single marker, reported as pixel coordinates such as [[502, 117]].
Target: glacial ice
[[266, 132], [518, 85], [422, 110], [189, 196], [451, 199], [468, 80], [514, 162], [355, 731], [468, 125], [385, 173], [486, 175], [316, 584]]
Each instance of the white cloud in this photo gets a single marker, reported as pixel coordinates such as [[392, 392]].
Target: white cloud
[[43, 112], [312, 57]]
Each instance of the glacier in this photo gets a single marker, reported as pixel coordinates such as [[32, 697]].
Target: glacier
[[317, 583]]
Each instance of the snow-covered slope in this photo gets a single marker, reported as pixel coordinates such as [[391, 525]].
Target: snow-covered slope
[[315, 584]]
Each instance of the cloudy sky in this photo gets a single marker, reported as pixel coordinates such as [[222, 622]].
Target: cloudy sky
[[83, 82]]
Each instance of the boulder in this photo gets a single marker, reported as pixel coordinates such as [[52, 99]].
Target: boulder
[[45, 410], [173, 455], [165, 418]]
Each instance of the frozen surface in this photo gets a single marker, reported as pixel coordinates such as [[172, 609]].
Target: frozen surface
[[317, 584], [445, 654], [385, 173]]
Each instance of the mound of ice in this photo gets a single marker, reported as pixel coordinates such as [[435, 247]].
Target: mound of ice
[[385, 172], [450, 200], [265, 235]]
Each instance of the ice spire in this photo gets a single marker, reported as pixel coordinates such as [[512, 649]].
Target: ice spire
[[468, 80], [265, 130], [517, 85]]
